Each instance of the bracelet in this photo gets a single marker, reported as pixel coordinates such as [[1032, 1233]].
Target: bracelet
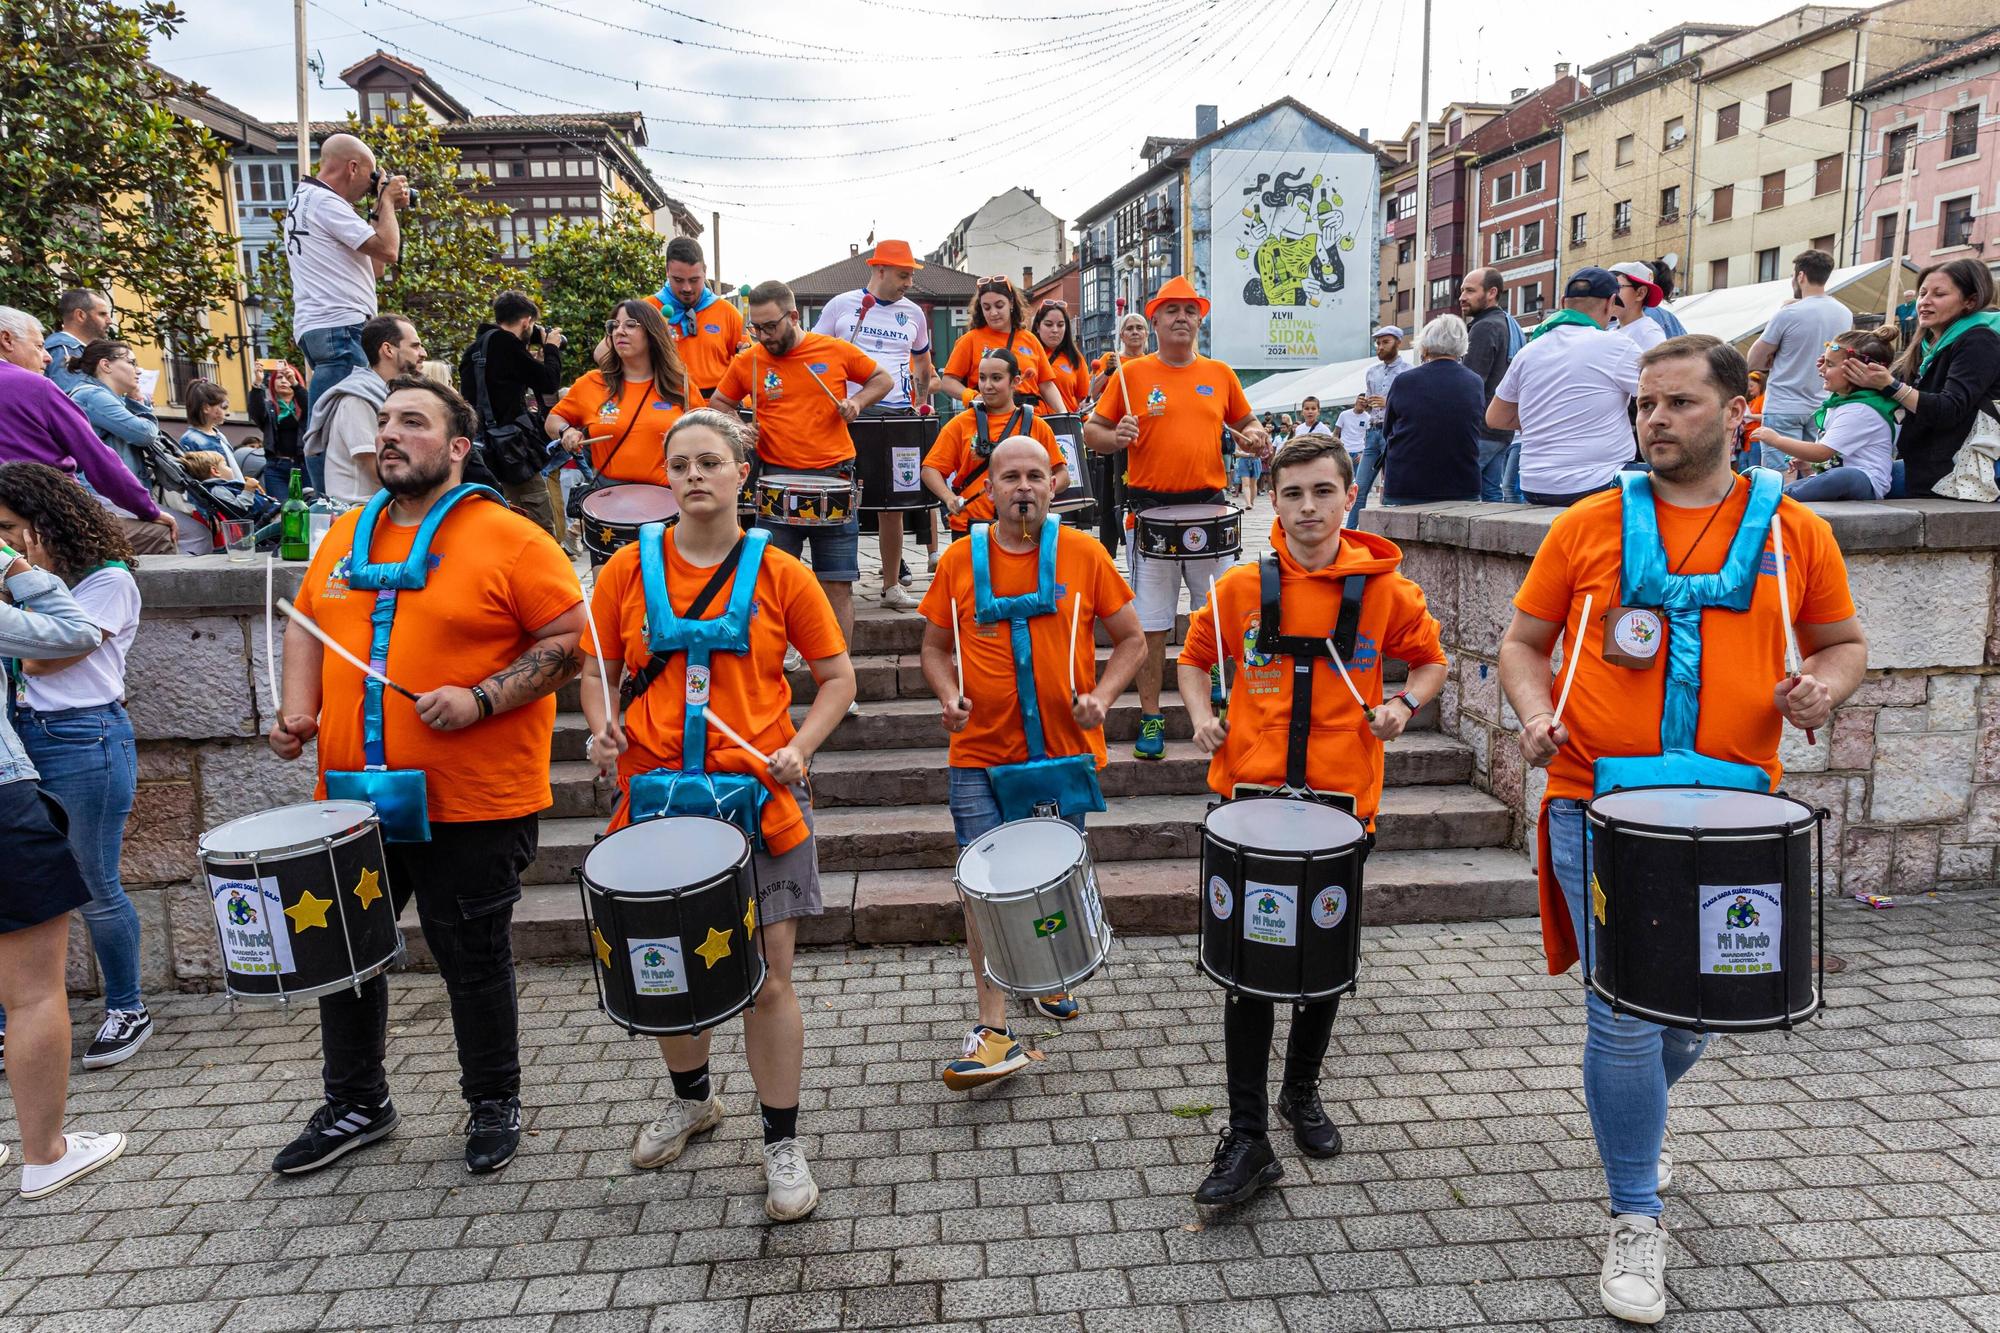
[[485, 703]]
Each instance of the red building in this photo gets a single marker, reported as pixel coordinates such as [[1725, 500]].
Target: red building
[[1450, 171], [1516, 187]]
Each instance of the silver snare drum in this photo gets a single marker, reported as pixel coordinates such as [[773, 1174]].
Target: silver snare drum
[[1190, 532], [1031, 892]]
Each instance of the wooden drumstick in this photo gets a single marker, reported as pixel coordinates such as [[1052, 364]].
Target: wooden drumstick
[[957, 651], [1793, 662], [1348, 680], [1075, 619], [729, 734], [597, 639], [271, 638], [753, 383], [831, 397], [1221, 657], [1575, 651], [305, 622]]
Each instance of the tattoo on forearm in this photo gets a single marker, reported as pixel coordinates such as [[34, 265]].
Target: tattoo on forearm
[[543, 669]]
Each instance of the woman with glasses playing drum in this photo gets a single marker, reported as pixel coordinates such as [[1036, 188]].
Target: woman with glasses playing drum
[[958, 468], [998, 317], [1068, 370], [699, 560], [1329, 585], [1667, 593], [619, 414]]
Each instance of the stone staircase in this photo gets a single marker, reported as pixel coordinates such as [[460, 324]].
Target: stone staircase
[[885, 833]]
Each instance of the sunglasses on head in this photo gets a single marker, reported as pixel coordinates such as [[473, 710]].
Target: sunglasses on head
[[1057, 303]]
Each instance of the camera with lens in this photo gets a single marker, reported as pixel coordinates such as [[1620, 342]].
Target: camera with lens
[[375, 180]]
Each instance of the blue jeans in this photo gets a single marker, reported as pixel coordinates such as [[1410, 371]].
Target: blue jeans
[[1836, 483], [1500, 470], [1628, 1063], [332, 354], [1797, 427], [89, 761], [1371, 464], [974, 810], [836, 551]]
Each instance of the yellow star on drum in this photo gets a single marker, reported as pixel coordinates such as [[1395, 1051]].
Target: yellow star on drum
[[368, 888], [716, 947], [607, 535], [602, 945], [1597, 900], [308, 911], [750, 917]]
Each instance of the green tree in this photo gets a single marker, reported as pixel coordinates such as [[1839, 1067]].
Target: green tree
[[449, 270], [585, 268], [101, 184]]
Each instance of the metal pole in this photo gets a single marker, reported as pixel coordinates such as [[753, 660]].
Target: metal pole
[[1421, 300], [1892, 284], [715, 248], [305, 125]]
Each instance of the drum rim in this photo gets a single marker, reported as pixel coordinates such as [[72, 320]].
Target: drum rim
[[778, 481], [1672, 833], [280, 999], [1228, 511], [1816, 1000], [1011, 895], [1236, 988], [204, 851], [634, 524], [649, 895], [1207, 831]]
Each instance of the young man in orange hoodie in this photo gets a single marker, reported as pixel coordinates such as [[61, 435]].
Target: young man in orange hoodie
[[1317, 565]]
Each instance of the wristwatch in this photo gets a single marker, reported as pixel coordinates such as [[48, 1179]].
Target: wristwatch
[[1403, 697]]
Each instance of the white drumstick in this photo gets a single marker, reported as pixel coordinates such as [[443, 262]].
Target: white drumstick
[[729, 734], [1341, 667], [1075, 619], [603, 678], [271, 637], [1575, 650], [1221, 657], [305, 622], [1793, 662], [958, 651]]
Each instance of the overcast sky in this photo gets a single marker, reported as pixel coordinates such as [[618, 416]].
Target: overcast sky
[[906, 116]]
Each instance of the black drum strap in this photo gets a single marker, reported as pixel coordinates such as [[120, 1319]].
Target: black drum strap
[[642, 680], [982, 443], [1272, 641]]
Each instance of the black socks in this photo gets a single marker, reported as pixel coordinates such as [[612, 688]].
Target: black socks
[[780, 1122], [691, 1086]]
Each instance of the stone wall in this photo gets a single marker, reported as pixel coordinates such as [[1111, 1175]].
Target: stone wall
[[1910, 768]]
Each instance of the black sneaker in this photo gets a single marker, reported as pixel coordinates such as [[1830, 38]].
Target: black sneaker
[[1316, 1135], [3, 1052], [336, 1129], [492, 1134], [123, 1033], [1243, 1166], [903, 574]]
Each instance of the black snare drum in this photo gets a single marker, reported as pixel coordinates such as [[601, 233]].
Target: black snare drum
[[1703, 904], [1190, 532], [1077, 497], [1281, 898], [889, 460], [613, 516], [673, 924], [805, 499]]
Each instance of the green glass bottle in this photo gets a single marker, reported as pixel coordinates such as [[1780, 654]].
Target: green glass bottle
[[293, 543]]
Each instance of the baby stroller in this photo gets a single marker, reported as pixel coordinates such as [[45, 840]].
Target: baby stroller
[[208, 501]]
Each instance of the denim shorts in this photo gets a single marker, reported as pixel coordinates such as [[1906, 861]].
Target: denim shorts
[[1246, 465], [975, 811], [39, 877], [836, 551]]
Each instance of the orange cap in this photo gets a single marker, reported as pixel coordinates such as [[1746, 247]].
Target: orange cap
[[893, 254], [1177, 288]]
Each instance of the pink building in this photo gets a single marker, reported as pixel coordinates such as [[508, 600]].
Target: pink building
[[1931, 154], [1517, 179]]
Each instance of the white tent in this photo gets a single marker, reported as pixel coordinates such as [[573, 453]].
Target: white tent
[[1738, 314], [1336, 386]]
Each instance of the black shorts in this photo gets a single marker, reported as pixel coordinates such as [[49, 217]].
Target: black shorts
[[39, 878]]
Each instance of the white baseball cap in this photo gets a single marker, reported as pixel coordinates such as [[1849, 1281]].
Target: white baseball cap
[[1389, 331]]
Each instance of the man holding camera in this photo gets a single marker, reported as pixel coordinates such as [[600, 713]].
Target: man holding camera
[[336, 256], [519, 357]]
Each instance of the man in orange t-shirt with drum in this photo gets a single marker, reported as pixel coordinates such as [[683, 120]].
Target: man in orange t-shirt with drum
[[1172, 432], [1672, 682], [1008, 708], [432, 581], [706, 329]]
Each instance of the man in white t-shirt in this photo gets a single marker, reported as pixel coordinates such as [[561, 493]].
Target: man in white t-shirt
[[1789, 348], [1637, 293], [1352, 427], [1568, 392], [336, 256], [1310, 422], [885, 323]]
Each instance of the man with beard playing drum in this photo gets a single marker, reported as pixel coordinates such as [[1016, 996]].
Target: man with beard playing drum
[[1003, 704], [1295, 727], [679, 714], [1684, 555]]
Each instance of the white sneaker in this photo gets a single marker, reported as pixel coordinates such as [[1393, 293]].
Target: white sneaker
[[84, 1154], [1633, 1282], [1666, 1171], [896, 599], [667, 1138], [790, 1193], [793, 661]]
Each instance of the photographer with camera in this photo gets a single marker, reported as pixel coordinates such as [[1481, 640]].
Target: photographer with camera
[[510, 358], [336, 256]]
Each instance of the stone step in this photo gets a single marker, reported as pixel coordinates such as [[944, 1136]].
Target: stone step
[[1135, 828], [1141, 897]]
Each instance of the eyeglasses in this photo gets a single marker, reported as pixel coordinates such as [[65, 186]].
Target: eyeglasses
[[770, 325], [709, 463], [615, 325]]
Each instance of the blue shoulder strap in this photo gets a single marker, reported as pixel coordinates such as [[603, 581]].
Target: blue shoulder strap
[[1016, 610], [667, 632]]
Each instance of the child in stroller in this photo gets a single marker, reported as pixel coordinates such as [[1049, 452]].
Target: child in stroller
[[198, 488]]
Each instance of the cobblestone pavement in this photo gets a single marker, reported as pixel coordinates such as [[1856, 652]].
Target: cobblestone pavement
[[1846, 1177]]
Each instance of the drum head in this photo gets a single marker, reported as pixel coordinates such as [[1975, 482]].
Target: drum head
[[664, 855], [634, 503], [1280, 824], [1020, 856], [804, 481], [1709, 808], [287, 827], [1188, 513]]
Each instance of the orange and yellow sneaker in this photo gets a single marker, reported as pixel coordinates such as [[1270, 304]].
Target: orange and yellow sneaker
[[990, 1056]]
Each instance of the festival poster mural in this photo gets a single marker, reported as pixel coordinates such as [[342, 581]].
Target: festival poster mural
[[1289, 246]]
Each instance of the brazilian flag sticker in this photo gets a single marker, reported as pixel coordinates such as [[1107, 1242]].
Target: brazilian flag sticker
[[1050, 924]]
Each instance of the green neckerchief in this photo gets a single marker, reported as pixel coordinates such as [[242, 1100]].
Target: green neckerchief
[[1881, 402], [1978, 319], [1562, 317]]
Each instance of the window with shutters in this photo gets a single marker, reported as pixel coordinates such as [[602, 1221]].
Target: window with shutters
[[1823, 244], [1728, 120], [1625, 150], [1885, 236], [1896, 146], [1957, 226], [1826, 174], [1962, 138], [1724, 206], [1670, 204], [1778, 104], [1774, 192], [1767, 265], [1718, 274], [1832, 84], [1621, 217]]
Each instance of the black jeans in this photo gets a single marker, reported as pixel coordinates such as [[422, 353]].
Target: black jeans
[[466, 879], [1246, 1040]]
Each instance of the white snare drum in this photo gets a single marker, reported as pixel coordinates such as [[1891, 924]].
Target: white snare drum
[[1031, 891]]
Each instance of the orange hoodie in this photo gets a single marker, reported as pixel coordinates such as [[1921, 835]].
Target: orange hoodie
[[1341, 754]]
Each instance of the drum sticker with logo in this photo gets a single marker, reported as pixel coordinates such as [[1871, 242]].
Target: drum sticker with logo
[[1270, 914], [1067, 443], [1220, 900], [1156, 401], [906, 467], [1742, 929], [697, 686], [657, 968], [1194, 539], [249, 918], [1329, 907]]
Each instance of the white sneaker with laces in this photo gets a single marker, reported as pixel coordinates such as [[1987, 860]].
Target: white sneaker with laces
[[83, 1154], [1666, 1171], [667, 1138], [895, 599], [1633, 1282], [790, 1193], [793, 661]]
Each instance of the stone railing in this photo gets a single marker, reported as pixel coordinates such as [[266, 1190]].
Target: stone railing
[[1910, 768]]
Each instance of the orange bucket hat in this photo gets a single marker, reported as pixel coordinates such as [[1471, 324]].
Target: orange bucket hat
[[893, 254], [1177, 288]]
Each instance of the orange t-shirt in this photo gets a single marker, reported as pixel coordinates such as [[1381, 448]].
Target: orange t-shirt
[[798, 426], [642, 456], [706, 352], [1071, 378], [1181, 411], [952, 456], [975, 343], [1343, 754], [994, 735], [495, 576], [746, 690]]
